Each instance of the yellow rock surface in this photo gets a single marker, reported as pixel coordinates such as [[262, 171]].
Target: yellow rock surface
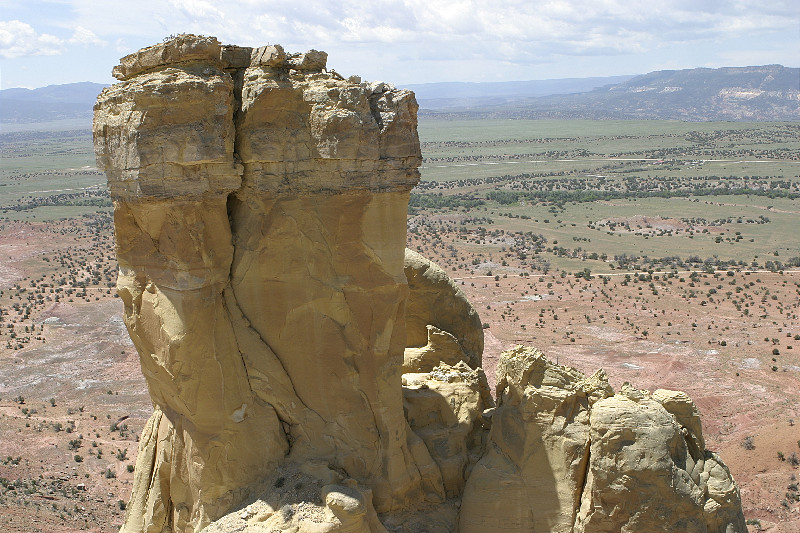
[[263, 287], [565, 454], [646, 474], [446, 408], [531, 476], [435, 300], [311, 375]]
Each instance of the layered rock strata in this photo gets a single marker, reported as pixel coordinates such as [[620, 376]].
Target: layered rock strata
[[260, 204], [308, 374]]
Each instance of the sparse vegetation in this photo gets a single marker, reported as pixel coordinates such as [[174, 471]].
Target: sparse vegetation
[[641, 242]]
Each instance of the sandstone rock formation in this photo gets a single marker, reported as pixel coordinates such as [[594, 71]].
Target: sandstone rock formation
[[566, 454], [307, 373], [260, 206], [447, 408]]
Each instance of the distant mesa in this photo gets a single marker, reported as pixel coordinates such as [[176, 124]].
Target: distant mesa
[[46, 104], [760, 93]]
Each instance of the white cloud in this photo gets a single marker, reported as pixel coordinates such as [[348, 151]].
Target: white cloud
[[197, 9], [475, 27], [433, 39], [84, 36], [18, 39], [121, 46]]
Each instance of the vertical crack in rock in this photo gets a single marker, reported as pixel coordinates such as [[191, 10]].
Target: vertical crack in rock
[[284, 396], [583, 481]]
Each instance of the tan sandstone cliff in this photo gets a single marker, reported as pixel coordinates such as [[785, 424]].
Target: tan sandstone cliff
[[310, 374]]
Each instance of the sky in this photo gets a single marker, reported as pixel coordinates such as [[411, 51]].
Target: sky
[[408, 41]]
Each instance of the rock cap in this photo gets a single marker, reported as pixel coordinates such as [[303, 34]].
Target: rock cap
[[182, 48]]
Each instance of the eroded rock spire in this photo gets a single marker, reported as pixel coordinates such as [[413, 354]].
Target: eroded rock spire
[[260, 206]]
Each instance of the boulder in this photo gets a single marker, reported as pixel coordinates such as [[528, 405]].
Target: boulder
[[181, 49], [644, 473], [442, 347]]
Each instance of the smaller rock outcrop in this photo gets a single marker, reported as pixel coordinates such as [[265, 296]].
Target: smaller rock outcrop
[[647, 471], [534, 469], [449, 409], [441, 324], [567, 455]]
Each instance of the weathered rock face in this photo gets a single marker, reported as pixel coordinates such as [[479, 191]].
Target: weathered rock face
[[308, 373], [647, 472], [447, 408], [565, 454], [532, 474], [263, 286]]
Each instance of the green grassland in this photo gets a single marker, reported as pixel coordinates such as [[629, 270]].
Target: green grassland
[[730, 191], [49, 175], [469, 149], [723, 194]]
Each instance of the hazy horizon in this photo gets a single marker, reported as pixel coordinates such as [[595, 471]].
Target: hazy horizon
[[407, 42], [510, 81]]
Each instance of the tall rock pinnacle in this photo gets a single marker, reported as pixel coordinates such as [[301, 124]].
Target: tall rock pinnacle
[[260, 206]]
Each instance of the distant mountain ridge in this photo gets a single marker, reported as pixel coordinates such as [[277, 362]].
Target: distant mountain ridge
[[757, 93], [54, 102]]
